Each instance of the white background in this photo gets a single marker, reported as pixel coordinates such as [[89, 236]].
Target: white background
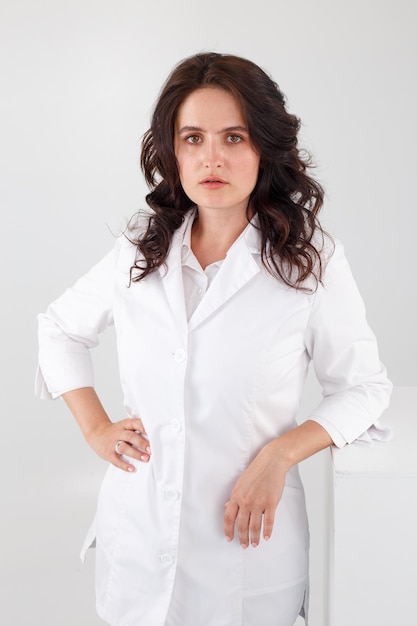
[[78, 81]]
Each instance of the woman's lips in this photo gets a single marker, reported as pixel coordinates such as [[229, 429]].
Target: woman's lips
[[213, 183]]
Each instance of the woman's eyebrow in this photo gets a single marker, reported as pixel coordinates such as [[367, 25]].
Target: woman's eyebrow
[[228, 129], [190, 129], [232, 129]]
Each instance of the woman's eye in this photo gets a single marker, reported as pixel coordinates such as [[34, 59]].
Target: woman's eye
[[193, 139], [234, 138]]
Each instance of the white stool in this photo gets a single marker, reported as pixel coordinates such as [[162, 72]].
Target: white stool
[[373, 552]]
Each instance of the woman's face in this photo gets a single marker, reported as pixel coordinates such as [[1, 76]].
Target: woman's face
[[218, 165]]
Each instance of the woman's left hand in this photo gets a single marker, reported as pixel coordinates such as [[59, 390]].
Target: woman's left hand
[[255, 496]]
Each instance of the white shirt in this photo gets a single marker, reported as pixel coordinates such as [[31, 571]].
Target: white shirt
[[196, 280], [211, 387]]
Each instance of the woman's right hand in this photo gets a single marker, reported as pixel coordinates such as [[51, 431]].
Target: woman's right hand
[[115, 441]]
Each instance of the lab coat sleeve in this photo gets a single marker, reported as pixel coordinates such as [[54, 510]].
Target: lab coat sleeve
[[71, 327], [345, 357]]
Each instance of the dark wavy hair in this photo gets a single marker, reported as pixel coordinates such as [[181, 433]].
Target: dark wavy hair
[[285, 199]]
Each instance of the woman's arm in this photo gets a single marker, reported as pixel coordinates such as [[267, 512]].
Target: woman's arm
[[102, 434], [258, 490]]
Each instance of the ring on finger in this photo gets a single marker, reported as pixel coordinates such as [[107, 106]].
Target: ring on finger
[[116, 447]]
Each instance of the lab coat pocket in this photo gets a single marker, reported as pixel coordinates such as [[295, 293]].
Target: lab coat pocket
[[282, 561], [90, 538], [111, 507]]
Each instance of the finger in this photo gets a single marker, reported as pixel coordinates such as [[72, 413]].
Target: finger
[[269, 518], [126, 449], [230, 514], [242, 526], [137, 440], [134, 423], [121, 463], [255, 525]]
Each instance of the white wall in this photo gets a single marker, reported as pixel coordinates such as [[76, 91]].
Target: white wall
[[78, 80]]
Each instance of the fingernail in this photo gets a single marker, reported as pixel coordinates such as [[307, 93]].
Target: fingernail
[[228, 539], [254, 544], [266, 537], [144, 458], [148, 450], [243, 545], [130, 469]]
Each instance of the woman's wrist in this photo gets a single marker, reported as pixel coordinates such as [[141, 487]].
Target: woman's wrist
[[281, 454], [299, 444]]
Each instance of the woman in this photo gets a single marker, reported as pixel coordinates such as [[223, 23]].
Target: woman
[[221, 296]]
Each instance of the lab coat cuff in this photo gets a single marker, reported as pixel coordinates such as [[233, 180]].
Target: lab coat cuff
[[376, 432], [41, 389], [74, 374]]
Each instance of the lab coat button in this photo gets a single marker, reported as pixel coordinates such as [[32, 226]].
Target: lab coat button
[[175, 426], [179, 355], [172, 494], [166, 559]]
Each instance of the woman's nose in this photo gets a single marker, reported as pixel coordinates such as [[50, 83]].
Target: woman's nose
[[213, 155]]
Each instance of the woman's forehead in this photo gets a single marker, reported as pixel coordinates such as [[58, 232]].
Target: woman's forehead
[[211, 106]]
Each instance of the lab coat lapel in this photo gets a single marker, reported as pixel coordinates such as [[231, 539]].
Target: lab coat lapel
[[238, 268]]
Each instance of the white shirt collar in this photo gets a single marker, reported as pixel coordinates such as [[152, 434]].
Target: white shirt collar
[[186, 240]]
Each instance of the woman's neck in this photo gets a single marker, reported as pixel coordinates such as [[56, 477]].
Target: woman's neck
[[212, 235]]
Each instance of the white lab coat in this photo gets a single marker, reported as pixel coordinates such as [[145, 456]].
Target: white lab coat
[[210, 392]]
